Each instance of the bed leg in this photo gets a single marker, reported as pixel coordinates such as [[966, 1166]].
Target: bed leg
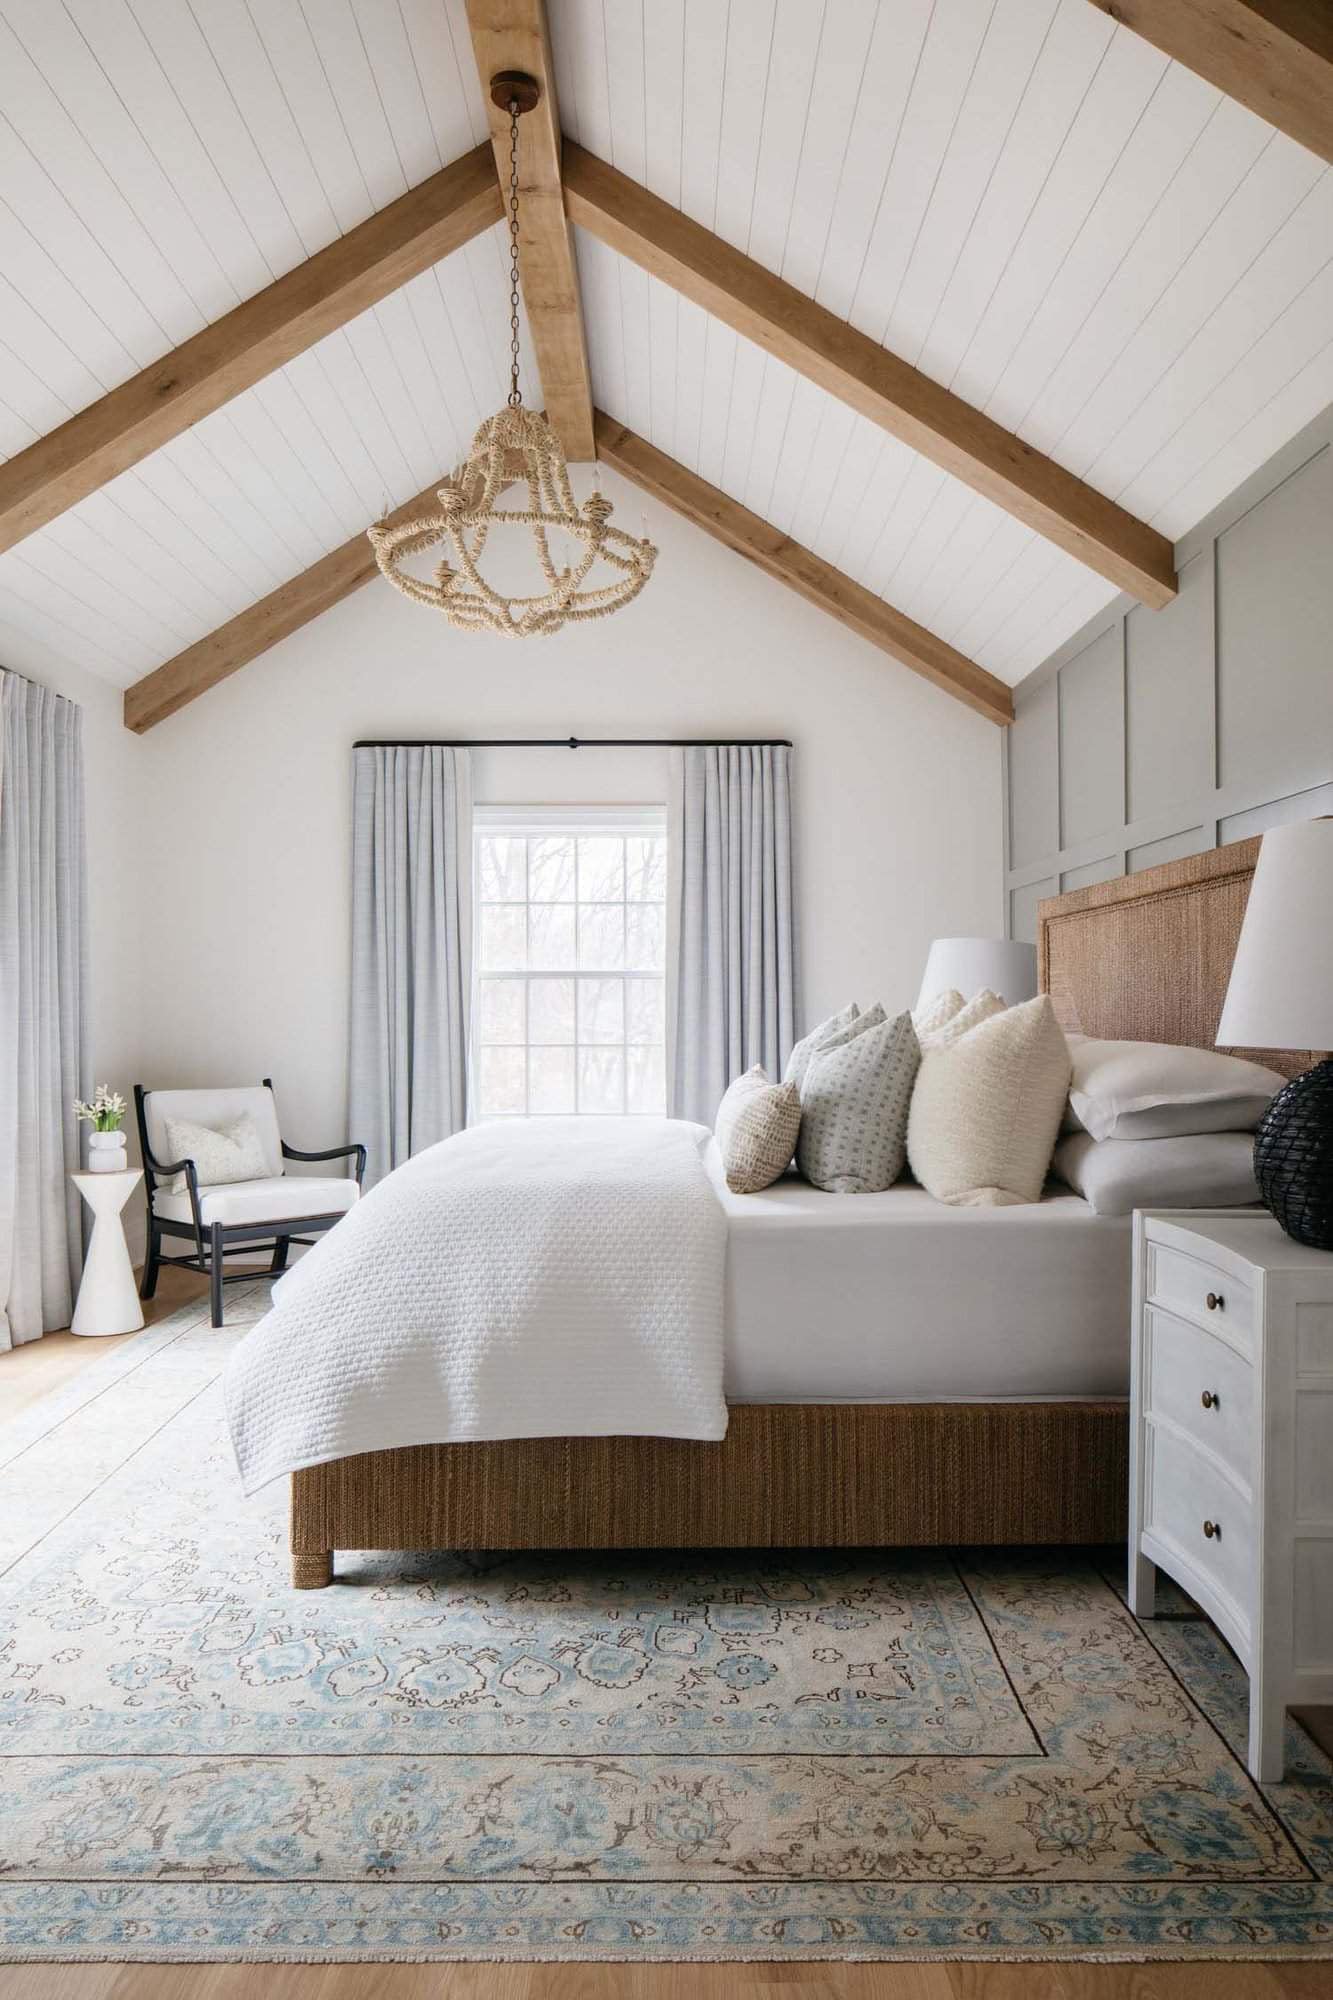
[[312, 1569]]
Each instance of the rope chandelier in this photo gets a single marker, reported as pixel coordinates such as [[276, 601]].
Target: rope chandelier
[[515, 447]]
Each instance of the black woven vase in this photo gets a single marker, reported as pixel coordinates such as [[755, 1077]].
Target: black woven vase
[[1293, 1157]]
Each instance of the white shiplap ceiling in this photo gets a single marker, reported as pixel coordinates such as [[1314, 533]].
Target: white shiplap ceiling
[[1030, 204]]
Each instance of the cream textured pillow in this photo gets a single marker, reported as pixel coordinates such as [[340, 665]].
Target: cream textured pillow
[[757, 1123], [928, 1020], [941, 1028], [987, 1108], [235, 1153], [799, 1059], [854, 1107]]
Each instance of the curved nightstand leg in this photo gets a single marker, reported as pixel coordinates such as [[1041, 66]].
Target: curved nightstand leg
[[312, 1569], [1142, 1586]]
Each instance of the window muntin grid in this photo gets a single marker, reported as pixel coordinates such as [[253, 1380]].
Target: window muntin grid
[[570, 952]]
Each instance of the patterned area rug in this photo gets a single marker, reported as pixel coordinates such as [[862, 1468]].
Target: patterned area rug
[[848, 1755]]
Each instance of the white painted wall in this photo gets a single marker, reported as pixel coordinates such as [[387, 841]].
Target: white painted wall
[[235, 858]]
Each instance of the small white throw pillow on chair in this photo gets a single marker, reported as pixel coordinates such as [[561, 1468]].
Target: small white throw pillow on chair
[[234, 1153]]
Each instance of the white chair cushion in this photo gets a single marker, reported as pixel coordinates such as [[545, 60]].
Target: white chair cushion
[[218, 1109], [276, 1199]]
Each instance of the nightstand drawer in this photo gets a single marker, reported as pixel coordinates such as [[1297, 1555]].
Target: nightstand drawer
[[1201, 1384], [1186, 1497], [1196, 1290]]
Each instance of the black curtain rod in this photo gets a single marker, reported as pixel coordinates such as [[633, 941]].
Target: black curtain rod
[[575, 743]]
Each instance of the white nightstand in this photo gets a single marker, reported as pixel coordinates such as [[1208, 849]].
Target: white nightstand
[[1231, 1450]]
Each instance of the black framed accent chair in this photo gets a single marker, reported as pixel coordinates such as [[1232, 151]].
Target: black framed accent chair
[[243, 1214]]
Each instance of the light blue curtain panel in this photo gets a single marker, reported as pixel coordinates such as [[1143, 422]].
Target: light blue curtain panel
[[43, 1005], [411, 949], [732, 971]]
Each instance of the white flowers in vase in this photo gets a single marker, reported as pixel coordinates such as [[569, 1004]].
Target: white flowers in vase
[[106, 1141]]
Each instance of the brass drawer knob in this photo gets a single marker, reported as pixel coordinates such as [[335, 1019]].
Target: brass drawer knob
[[1213, 1530], [1214, 1302], [1208, 1399]]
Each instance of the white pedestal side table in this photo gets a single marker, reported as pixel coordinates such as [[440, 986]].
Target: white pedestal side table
[[108, 1299]]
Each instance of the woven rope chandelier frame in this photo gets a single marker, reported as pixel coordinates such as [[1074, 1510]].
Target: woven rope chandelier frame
[[515, 447]]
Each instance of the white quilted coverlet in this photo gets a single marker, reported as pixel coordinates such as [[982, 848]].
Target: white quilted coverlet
[[554, 1278]]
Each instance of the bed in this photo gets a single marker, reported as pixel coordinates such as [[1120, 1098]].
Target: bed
[[990, 1409]]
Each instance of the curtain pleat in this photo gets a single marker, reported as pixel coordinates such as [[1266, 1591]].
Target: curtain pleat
[[411, 949], [732, 975], [43, 1005]]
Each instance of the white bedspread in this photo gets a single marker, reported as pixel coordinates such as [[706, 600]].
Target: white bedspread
[[559, 1277]]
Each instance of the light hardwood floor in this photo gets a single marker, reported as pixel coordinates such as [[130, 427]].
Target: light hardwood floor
[[44, 1365]]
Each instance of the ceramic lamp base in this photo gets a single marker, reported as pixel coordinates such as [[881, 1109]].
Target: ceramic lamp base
[[1293, 1157]]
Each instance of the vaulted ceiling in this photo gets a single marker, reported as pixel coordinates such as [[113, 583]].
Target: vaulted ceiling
[[1084, 241]]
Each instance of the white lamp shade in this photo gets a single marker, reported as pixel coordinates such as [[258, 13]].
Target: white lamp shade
[[1281, 990], [968, 964]]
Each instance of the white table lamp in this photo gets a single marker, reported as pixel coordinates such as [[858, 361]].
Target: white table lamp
[[1280, 996], [967, 964]]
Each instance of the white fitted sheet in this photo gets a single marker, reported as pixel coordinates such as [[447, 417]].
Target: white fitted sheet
[[894, 1297]]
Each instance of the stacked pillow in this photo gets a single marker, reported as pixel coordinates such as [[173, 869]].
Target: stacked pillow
[[756, 1127], [855, 1095], [988, 1100], [841, 1108], [1150, 1124], [976, 1095]]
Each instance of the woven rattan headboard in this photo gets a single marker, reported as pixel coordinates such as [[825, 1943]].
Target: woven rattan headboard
[[1146, 958]]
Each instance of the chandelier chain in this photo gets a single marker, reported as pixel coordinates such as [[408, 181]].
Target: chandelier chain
[[592, 570], [515, 395]]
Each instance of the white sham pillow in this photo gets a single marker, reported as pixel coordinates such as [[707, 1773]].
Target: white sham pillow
[[799, 1059], [1195, 1170], [233, 1152], [756, 1128], [987, 1106], [1159, 1090], [854, 1105]]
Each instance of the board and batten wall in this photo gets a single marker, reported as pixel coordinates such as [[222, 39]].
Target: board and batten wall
[[1157, 734]]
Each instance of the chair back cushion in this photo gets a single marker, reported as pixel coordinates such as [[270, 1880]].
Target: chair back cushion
[[218, 1109]]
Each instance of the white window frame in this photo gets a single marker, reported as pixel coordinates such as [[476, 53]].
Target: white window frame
[[529, 821]]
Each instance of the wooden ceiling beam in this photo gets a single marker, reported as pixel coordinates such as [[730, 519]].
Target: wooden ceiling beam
[[330, 288], [899, 398], [1273, 56], [513, 35], [285, 610], [202, 666], [817, 581]]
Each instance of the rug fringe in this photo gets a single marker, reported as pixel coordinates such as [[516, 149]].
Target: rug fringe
[[812, 1955]]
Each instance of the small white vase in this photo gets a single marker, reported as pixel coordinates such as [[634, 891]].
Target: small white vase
[[106, 1153]]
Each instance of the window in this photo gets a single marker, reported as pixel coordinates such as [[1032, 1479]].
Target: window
[[570, 911]]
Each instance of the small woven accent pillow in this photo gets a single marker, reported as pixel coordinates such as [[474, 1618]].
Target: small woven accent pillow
[[799, 1060], [757, 1123], [987, 1107], [235, 1152], [854, 1105]]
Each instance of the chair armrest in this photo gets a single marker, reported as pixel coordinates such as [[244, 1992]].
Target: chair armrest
[[333, 1153]]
